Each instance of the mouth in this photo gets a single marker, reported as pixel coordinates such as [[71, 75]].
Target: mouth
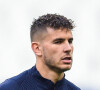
[[67, 60]]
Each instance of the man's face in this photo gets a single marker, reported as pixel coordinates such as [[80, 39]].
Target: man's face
[[57, 49]]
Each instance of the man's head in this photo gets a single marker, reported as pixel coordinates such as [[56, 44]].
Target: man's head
[[54, 21], [51, 39]]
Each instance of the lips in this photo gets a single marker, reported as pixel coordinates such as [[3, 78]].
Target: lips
[[67, 60]]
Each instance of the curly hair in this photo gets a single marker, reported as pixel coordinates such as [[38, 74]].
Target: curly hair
[[50, 20]]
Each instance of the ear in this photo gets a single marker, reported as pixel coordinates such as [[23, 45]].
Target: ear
[[36, 48]]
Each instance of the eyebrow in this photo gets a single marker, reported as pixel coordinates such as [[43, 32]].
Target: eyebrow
[[58, 39], [62, 39], [70, 38]]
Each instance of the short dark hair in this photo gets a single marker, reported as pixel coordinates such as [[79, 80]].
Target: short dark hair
[[54, 21]]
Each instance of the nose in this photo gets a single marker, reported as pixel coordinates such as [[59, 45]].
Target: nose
[[68, 48]]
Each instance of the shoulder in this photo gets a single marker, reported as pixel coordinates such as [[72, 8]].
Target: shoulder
[[15, 82], [9, 84], [71, 86]]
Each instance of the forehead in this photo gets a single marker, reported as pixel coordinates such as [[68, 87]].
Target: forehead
[[59, 33]]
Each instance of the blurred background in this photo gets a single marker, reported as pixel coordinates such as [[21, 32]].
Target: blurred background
[[16, 56]]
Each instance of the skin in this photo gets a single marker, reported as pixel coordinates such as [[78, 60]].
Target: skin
[[54, 53]]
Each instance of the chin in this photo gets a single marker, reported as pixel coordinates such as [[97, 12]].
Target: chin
[[66, 68], [60, 70]]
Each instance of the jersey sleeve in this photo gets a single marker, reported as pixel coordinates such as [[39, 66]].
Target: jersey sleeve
[[9, 84]]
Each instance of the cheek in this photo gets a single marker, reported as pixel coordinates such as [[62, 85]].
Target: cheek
[[52, 50], [56, 49], [71, 52], [72, 48]]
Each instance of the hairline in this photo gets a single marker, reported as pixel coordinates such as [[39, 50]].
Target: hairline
[[44, 31]]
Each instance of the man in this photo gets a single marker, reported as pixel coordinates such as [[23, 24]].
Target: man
[[51, 39]]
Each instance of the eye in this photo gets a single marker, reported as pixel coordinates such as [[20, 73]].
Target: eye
[[58, 41], [70, 41]]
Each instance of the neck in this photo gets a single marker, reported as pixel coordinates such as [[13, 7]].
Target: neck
[[48, 73]]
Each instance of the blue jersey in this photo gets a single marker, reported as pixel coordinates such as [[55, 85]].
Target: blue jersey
[[32, 80]]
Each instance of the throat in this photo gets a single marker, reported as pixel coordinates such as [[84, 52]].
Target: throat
[[49, 74], [58, 78]]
